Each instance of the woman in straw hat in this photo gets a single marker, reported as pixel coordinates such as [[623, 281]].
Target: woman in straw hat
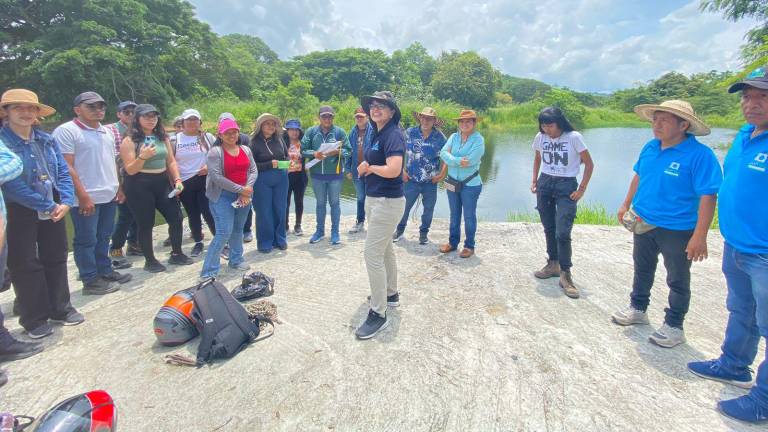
[[462, 154], [671, 203], [559, 153], [271, 188], [37, 200], [422, 170]]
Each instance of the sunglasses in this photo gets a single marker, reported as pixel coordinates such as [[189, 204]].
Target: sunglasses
[[377, 105], [98, 106]]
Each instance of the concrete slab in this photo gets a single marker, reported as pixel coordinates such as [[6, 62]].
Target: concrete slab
[[478, 344]]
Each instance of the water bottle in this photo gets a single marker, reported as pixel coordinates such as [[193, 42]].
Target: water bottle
[[44, 186]]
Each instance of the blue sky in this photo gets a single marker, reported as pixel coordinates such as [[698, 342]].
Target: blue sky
[[587, 45]]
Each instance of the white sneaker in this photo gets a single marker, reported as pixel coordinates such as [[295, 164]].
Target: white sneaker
[[358, 228], [240, 267], [667, 336], [629, 316]]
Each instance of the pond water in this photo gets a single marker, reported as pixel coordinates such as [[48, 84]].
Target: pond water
[[507, 164]]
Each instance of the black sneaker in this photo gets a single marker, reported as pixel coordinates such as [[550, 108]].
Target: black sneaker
[[423, 239], [167, 242], [73, 318], [17, 350], [99, 286], [118, 259], [398, 235], [372, 325], [40, 331], [133, 249], [225, 252], [154, 266], [197, 249], [180, 259], [392, 300], [298, 231], [118, 277], [3, 378]]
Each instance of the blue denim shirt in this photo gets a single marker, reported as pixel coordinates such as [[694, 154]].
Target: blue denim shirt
[[454, 151], [422, 156], [350, 165], [19, 190]]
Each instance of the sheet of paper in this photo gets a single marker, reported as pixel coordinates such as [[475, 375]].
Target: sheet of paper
[[325, 148]]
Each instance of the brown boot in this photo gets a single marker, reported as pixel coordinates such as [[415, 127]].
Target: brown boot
[[447, 248], [566, 283], [552, 269], [466, 253]]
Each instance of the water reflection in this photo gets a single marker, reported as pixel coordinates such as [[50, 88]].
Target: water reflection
[[507, 165]]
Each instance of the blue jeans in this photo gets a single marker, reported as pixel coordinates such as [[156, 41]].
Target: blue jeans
[[465, 201], [229, 223], [91, 241], [747, 302], [327, 191], [360, 192], [270, 204], [428, 192]]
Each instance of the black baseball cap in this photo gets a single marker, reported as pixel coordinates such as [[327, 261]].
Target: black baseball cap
[[758, 78], [142, 109], [88, 97], [124, 105], [326, 110]]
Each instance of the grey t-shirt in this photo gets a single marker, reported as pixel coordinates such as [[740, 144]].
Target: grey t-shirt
[[94, 151]]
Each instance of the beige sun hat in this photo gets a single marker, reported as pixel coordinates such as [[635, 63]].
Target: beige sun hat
[[680, 108], [429, 112], [23, 96], [264, 117]]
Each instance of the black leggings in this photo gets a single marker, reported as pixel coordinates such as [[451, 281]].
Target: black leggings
[[144, 193], [297, 183], [196, 204]]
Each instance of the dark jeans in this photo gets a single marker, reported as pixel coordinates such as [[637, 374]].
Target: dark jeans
[[297, 184], [91, 242], [360, 192], [37, 259], [196, 205], [671, 244], [5, 337], [270, 192], [428, 192], [145, 193], [125, 227], [248, 227], [557, 211]]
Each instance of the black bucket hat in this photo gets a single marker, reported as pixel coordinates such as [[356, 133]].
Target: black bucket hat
[[385, 97]]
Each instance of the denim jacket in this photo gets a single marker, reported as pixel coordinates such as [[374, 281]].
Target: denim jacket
[[20, 190], [350, 165], [453, 151]]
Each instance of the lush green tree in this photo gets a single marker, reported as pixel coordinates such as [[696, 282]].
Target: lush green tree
[[734, 10], [523, 89], [253, 45], [465, 78], [347, 72], [294, 100], [565, 99]]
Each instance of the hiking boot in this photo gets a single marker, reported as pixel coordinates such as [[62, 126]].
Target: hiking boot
[[359, 227], [40, 331], [167, 242], [629, 316], [154, 266], [248, 237], [119, 261], [745, 408], [713, 370], [392, 300], [133, 249], [667, 337], [566, 283], [118, 277], [466, 253], [73, 318], [550, 270], [180, 259], [398, 235], [297, 230], [225, 252], [335, 238], [447, 248], [99, 286], [423, 239], [316, 237], [17, 350], [373, 324], [197, 249]]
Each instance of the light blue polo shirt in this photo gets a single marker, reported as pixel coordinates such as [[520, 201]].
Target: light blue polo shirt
[[672, 181], [743, 208]]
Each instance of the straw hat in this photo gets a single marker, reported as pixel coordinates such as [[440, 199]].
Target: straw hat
[[467, 114], [681, 109], [428, 112], [264, 117], [22, 96]]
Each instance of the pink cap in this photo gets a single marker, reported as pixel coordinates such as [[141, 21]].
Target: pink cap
[[227, 124]]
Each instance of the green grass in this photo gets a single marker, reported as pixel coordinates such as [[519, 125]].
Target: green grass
[[586, 214]]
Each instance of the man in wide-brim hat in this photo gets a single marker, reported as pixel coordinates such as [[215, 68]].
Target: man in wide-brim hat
[[674, 190], [743, 212]]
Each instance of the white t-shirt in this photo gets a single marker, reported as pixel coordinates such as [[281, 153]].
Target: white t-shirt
[[190, 157], [94, 151], [560, 156]]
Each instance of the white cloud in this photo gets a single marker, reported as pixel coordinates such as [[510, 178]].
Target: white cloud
[[590, 45]]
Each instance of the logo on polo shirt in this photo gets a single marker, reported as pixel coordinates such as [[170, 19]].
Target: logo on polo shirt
[[375, 146], [673, 169], [759, 163]]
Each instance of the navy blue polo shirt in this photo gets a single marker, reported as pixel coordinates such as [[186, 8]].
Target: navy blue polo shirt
[[743, 208], [390, 141], [672, 181]]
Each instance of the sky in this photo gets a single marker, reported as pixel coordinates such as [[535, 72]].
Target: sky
[[586, 45]]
